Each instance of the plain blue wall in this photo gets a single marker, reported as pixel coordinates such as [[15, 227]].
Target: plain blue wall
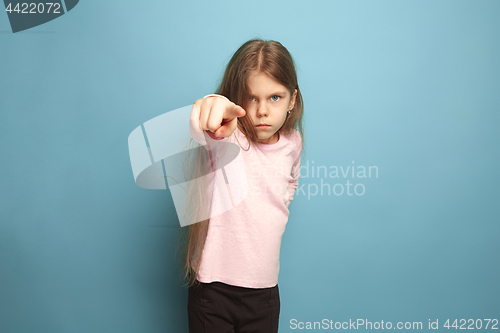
[[411, 87]]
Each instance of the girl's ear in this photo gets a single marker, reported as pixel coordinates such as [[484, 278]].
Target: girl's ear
[[292, 100]]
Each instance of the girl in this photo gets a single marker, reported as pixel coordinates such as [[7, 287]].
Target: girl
[[232, 260]]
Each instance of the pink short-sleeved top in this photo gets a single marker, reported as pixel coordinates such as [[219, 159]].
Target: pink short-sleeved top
[[242, 246]]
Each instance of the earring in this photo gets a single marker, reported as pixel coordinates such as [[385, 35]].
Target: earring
[[289, 111]]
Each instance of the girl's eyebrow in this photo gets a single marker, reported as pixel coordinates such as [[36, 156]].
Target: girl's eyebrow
[[274, 93]]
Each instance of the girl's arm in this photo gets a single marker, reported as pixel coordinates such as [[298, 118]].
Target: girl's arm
[[295, 173], [292, 185]]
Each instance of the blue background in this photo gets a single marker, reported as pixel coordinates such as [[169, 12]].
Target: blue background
[[411, 87]]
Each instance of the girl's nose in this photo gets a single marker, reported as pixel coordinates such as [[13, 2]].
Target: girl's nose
[[262, 110]]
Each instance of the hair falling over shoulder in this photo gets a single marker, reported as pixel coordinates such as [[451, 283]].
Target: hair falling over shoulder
[[254, 56], [196, 208]]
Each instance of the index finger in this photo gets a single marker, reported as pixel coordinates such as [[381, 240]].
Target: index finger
[[233, 111]]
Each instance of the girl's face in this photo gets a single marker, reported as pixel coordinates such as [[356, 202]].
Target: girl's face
[[268, 104]]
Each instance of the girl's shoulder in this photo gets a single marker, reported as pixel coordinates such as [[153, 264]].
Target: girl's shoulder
[[297, 141], [295, 137]]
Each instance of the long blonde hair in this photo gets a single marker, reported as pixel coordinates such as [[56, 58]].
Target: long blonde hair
[[254, 56]]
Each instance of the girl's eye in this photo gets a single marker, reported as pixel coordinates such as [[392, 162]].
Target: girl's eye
[[274, 98]]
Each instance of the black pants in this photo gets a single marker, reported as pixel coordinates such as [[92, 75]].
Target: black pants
[[217, 307]]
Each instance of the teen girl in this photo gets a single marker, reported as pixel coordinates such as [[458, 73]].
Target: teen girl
[[232, 260]]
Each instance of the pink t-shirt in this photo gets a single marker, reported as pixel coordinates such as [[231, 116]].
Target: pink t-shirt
[[242, 245]]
